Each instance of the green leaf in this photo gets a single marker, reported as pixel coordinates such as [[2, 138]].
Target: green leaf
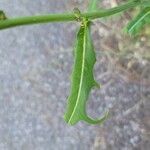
[[145, 3], [82, 78], [2, 15], [139, 21], [92, 5]]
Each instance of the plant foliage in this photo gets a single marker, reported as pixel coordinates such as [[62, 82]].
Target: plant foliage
[[139, 21], [82, 76]]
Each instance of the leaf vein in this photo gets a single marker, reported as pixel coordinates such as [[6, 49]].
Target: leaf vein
[[82, 74], [139, 20]]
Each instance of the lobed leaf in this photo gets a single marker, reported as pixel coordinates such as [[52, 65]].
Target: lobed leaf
[[82, 78]]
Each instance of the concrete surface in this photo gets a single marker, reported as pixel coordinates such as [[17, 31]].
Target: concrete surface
[[35, 67]]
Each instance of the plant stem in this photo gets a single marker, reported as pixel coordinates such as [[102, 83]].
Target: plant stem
[[8, 23], [92, 5]]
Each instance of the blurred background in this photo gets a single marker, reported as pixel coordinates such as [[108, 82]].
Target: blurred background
[[35, 68]]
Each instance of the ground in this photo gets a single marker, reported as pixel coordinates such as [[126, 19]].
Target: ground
[[36, 63]]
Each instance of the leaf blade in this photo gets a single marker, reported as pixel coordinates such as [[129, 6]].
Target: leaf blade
[[139, 21], [82, 79]]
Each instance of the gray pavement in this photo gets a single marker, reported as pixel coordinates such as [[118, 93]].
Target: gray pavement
[[35, 67]]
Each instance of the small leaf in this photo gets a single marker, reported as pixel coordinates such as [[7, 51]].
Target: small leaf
[[82, 79], [139, 21], [77, 14], [92, 5], [2, 15]]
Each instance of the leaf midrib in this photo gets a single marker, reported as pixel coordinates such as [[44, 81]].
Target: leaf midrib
[[82, 74], [139, 20]]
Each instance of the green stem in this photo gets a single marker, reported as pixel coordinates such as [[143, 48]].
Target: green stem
[[92, 5], [8, 23]]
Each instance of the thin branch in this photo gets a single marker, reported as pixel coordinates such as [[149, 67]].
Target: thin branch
[[8, 23]]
